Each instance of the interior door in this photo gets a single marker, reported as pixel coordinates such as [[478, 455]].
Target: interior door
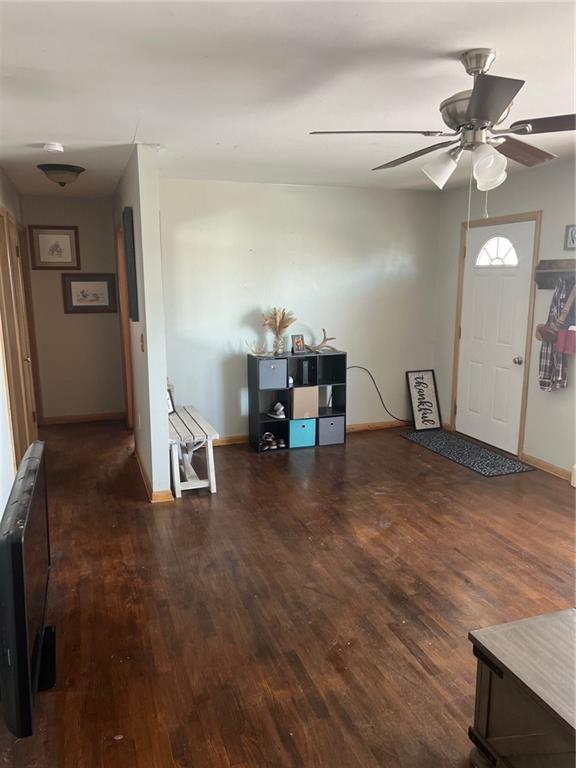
[[495, 308]]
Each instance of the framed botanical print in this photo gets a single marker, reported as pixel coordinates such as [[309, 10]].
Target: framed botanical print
[[89, 293], [54, 247]]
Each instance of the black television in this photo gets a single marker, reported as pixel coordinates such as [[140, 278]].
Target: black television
[[27, 645]]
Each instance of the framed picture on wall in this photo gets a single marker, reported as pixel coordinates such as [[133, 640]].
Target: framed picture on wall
[[89, 293], [424, 399], [130, 262], [570, 237], [54, 247]]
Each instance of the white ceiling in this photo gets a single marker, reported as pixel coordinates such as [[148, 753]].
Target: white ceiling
[[230, 90]]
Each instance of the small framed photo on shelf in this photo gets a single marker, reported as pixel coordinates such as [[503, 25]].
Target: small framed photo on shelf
[[54, 247], [424, 400], [570, 237], [298, 347], [84, 293]]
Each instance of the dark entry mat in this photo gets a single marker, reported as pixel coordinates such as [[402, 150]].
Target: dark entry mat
[[482, 460]]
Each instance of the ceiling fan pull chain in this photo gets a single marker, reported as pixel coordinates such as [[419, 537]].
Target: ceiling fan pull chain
[[486, 205]]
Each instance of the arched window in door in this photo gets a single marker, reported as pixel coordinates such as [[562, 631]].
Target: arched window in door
[[497, 252]]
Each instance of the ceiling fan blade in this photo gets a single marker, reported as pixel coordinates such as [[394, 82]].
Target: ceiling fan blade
[[419, 133], [413, 155], [549, 124], [524, 153], [490, 97]]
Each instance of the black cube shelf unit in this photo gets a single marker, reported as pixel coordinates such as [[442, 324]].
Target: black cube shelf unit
[[315, 403]]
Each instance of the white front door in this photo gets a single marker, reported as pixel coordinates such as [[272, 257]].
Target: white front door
[[495, 306]]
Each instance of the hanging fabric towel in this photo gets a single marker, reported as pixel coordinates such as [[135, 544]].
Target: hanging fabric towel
[[552, 372]]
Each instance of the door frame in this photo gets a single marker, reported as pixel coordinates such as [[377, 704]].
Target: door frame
[[27, 280], [515, 218], [125, 327], [17, 353]]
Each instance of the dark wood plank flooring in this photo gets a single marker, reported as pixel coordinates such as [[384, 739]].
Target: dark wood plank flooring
[[313, 613]]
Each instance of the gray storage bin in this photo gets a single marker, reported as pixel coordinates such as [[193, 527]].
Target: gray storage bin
[[273, 374], [330, 430]]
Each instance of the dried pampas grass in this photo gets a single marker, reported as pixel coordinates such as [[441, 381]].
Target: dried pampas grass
[[278, 320]]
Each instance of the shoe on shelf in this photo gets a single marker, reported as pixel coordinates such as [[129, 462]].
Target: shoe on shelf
[[277, 412], [281, 443], [268, 442]]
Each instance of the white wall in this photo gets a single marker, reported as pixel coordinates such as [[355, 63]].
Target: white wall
[[550, 415], [10, 200], [361, 263], [138, 188], [79, 356]]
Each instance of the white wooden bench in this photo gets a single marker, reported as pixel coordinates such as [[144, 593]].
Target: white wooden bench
[[188, 433]]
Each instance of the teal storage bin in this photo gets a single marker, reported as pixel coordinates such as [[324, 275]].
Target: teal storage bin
[[302, 433]]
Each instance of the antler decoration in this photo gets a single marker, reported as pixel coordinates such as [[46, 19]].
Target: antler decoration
[[278, 320], [259, 349], [323, 346]]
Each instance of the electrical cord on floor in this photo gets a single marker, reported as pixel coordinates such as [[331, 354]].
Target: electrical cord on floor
[[361, 368]]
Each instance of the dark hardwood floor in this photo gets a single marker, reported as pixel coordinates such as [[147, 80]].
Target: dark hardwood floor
[[313, 613]]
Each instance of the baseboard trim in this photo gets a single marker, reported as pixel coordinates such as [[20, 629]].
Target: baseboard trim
[[545, 466], [231, 440], [374, 425], [161, 497], [46, 421], [154, 497], [367, 427]]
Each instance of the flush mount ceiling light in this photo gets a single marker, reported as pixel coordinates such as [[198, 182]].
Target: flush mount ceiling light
[[53, 146], [473, 117], [61, 174]]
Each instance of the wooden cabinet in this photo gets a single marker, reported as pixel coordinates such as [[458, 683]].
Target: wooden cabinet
[[525, 693]]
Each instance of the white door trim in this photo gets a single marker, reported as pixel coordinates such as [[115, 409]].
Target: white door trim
[[536, 217]]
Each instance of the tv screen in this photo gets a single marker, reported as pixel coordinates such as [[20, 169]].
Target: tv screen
[[24, 572]]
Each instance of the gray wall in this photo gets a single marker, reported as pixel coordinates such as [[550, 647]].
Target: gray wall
[[550, 415], [361, 263], [79, 356], [138, 188]]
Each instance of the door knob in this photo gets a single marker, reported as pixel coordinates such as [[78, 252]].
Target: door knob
[[27, 360], [518, 360]]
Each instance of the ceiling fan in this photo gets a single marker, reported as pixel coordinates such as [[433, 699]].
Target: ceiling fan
[[472, 117]]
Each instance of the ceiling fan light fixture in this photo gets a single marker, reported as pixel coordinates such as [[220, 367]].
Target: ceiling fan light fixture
[[442, 167], [60, 173], [486, 186], [488, 165]]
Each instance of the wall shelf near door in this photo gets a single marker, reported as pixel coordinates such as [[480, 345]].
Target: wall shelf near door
[[549, 270]]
